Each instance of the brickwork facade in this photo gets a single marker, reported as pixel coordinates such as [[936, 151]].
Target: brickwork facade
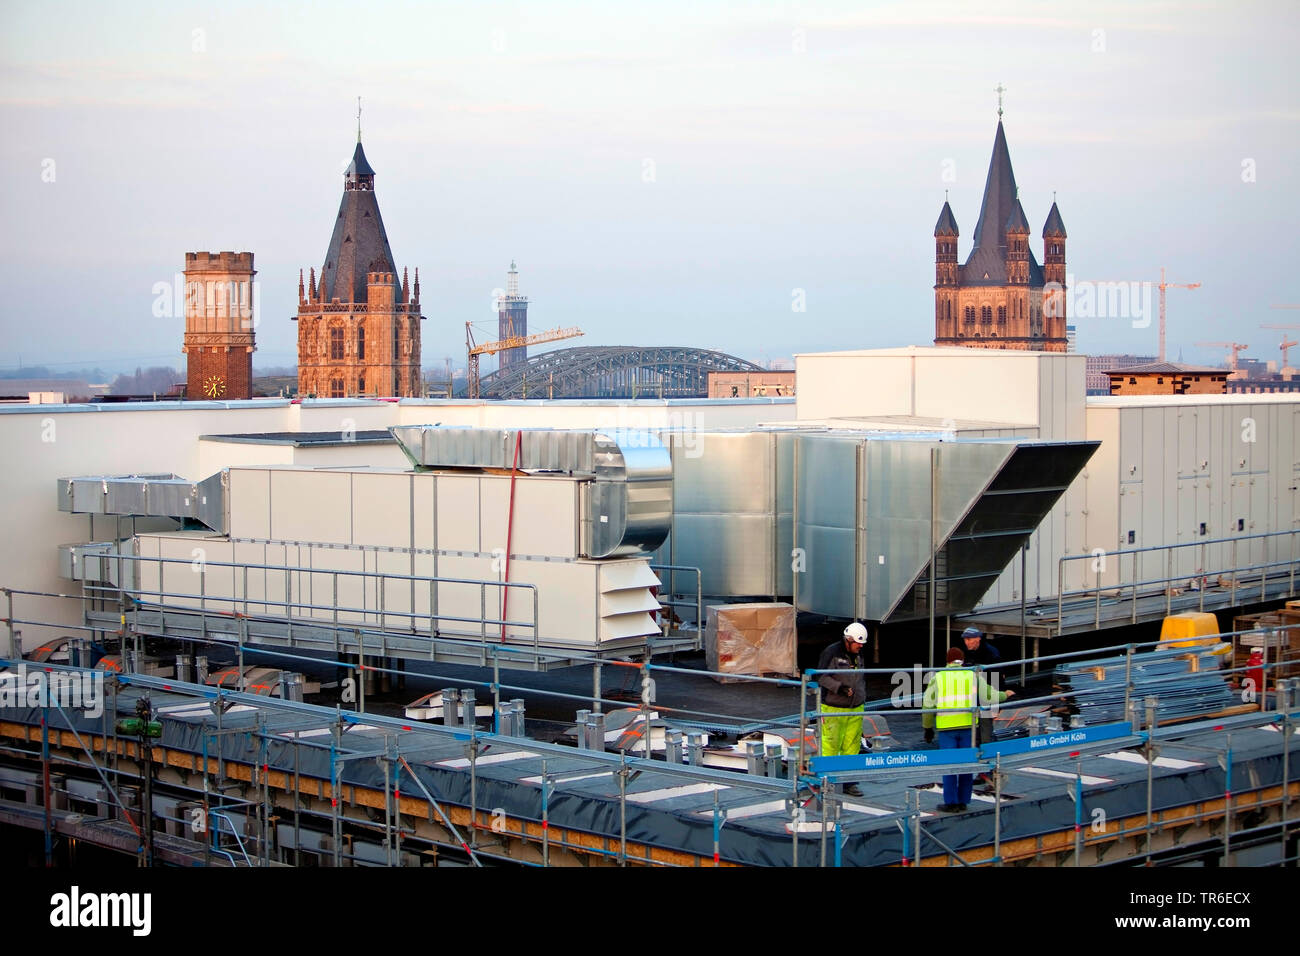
[[358, 326], [219, 325], [1000, 298]]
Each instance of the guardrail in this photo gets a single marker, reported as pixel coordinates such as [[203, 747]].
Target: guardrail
[[1139, 587]]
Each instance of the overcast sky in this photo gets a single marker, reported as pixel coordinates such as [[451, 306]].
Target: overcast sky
[[664, 173]]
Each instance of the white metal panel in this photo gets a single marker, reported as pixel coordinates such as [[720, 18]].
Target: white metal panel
[[390, 589], [423, 517], [470, 602], [381, 509], [567, 595], [343, 591], [973, 384], [458, 513], [250, 503], [853, 383], [545, 515], [311, 506]]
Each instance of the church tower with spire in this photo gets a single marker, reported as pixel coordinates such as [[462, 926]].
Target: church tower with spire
[[1000, 298], [359, 322]]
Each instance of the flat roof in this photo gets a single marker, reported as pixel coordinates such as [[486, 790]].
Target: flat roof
[[1213, 398], [932, 350], [377, 436], [891, 422]]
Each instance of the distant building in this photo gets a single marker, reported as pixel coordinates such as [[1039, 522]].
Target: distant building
[[1098, 382], [1251, 386], [47, 391], [765, 384], [1168, 378], [359, 326], [1071, 339], [219, 323], [512, 319], [1001, 298]]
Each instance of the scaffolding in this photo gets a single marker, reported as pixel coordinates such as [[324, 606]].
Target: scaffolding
[[242, 779]]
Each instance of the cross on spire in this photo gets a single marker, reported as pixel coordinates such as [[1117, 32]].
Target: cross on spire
[[359, 118], [999, 90]]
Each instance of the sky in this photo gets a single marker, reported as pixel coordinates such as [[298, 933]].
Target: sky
[[761, 178]]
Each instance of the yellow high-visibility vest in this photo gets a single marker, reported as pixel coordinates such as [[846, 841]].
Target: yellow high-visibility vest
[[955, 692]]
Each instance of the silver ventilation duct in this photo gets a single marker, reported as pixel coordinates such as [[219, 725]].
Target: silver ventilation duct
[[153, 496], [627, 504], [872, 508]]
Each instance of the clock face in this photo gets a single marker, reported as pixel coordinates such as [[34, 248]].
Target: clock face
[[214, 387]]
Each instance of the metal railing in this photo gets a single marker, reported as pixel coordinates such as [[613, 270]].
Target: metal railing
[[1139, 587], [374, 619]]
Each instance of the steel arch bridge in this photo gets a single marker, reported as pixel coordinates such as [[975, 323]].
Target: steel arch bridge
[[613, 371]]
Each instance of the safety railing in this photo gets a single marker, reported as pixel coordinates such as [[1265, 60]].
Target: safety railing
[[792, 785], [676, 598], [373, 616], [1134, 587]]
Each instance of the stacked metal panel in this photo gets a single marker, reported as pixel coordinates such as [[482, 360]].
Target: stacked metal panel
[[1186, 682]]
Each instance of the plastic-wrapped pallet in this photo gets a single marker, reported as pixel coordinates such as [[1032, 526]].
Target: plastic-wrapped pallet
[[750, 639]]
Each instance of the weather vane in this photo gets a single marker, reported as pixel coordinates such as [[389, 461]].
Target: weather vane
[[999, 90], [359, 118]]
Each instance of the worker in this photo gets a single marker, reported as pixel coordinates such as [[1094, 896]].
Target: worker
[[954, 693], [978, 649], [843, 693]]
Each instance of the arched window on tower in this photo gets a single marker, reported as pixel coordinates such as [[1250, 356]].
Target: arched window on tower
[[970, 315], [1002, 315], [986, 314], [361, 344], [336, 344]]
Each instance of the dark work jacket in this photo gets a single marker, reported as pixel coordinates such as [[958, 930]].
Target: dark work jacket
[[837, 657], [986, 655]]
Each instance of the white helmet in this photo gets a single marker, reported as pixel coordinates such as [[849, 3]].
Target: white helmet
[[856, 632]]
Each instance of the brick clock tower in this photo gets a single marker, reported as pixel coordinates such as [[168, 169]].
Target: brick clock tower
[[1000, 298], [219, 341], [359, 324]]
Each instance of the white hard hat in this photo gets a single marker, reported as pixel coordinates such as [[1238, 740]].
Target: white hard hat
[[856, 632]]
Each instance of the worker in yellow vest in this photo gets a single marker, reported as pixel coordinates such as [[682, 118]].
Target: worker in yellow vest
[[951, 703]]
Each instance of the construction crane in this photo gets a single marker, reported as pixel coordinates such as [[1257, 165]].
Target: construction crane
[[1162, 286], [1177, 285], [1237, 348], [511, 342], [1286, 345]]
